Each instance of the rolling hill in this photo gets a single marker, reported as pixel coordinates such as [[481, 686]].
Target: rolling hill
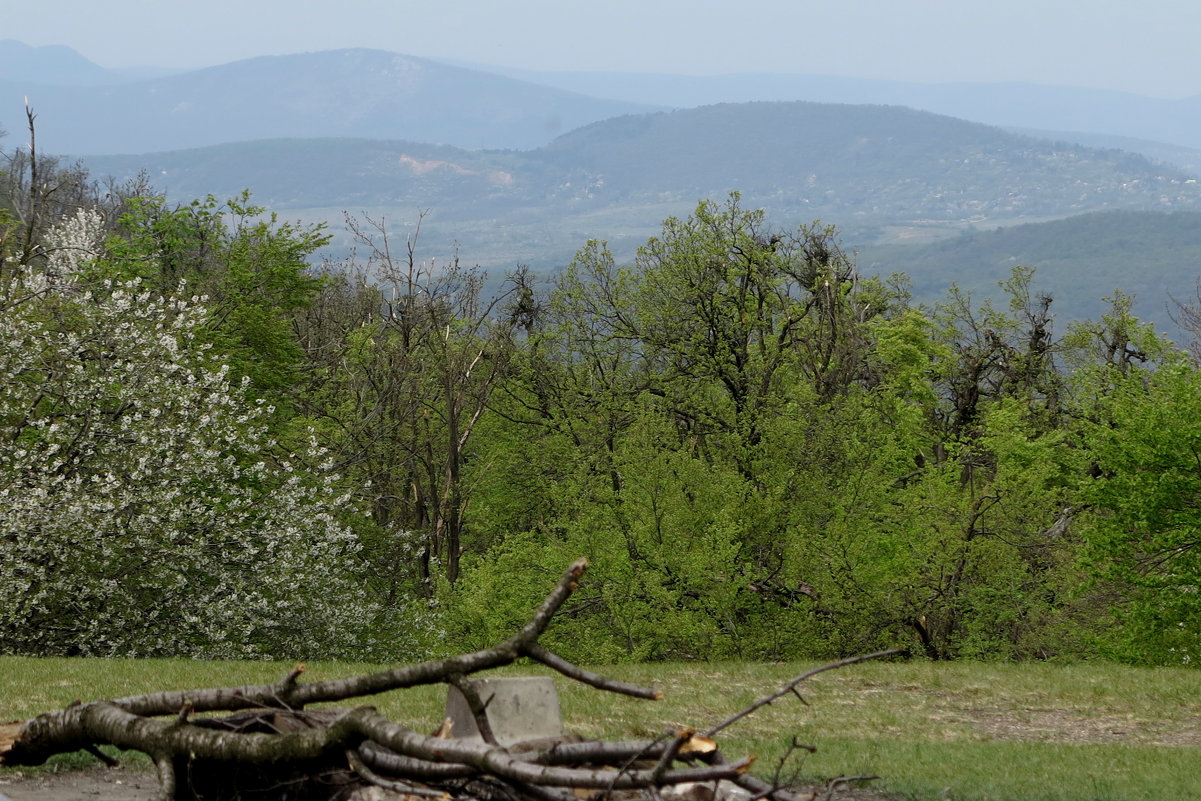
[[860, 166], [1154, 256], [1011, 105], [881, 174], [882, 164]]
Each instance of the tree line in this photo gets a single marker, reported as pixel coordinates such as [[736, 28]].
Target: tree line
[[210, 446]]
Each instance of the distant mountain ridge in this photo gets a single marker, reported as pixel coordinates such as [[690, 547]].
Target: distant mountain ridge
[[53, 65], [515, 108], [357, 92], [1008, 105]]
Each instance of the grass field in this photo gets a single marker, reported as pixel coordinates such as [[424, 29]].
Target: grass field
[[953, 732]]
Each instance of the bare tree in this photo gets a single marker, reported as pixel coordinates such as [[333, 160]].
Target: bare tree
[[38, 190], [416, 357]]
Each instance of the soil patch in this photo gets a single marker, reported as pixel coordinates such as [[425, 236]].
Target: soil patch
[[101, 783], [98, 783]]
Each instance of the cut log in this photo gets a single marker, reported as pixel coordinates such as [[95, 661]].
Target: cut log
[[8, 736]]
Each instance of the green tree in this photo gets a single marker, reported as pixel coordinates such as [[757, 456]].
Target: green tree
[[658, 396], [1145, 531], [401, 373], [252, 271]]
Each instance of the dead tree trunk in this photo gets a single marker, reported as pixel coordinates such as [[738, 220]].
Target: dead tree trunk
[[276, 749]]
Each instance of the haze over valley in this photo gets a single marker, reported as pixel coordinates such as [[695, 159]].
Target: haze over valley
[[523, 167]]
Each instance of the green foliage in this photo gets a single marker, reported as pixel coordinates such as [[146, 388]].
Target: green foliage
[[664, 547], [764, 454], [252, 271], [1146, 529]]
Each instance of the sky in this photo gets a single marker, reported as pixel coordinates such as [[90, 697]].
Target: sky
[[1151, 47]]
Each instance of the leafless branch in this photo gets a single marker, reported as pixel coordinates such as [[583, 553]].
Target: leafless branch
[[367, 747], [791, 686]]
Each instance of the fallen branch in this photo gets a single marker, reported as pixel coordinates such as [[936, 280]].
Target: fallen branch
[[272, 740]]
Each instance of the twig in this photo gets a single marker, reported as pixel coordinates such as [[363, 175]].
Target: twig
[[838, 781], [166, 777], [610, 753], [112, 762], [791, 686], [761, 789], [778, 776], [625, 767], [544, 793], [383, 759], [682, 736], [555, 662]]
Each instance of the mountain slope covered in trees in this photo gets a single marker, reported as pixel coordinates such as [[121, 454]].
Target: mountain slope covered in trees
[[881, 174], [854, 164], [1153, 256]]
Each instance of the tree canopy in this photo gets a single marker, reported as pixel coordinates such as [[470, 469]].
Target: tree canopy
[[209, 447]]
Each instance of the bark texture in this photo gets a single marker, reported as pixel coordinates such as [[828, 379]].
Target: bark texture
[[273, 748]]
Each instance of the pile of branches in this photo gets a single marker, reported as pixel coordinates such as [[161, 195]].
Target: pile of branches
[[274, 748]]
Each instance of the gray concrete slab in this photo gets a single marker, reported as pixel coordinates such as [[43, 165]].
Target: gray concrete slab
[[519, 708]]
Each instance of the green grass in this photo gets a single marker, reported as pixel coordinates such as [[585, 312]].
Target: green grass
[[962, 732]]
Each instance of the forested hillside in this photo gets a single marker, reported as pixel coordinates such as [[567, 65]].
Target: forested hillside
[[869, 164], [1154, 257], [206, 449], [873, 162], [883, 174]]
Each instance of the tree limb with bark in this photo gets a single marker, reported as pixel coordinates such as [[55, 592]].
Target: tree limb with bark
[[273, 742]]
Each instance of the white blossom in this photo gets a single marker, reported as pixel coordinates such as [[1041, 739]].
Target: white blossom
[[74, 242], [141, 512]]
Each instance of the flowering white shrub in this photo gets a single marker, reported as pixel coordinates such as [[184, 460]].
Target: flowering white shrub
[[143, 509], [72, 244]]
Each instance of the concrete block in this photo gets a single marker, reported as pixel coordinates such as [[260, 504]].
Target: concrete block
[[519, 708]]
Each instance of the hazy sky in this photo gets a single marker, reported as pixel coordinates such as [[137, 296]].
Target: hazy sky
[[1150, 46]]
